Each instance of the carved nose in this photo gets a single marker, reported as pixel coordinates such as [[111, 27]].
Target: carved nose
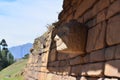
[[75, 39]]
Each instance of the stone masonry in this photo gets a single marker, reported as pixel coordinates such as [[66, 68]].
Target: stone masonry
[[87, 49]]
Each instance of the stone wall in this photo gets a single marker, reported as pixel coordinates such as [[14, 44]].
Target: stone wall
[[100, 48]]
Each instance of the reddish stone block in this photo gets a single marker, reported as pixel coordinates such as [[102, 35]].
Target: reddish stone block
[[75, 70], [99, 6], [61, 56], [101, 16], [84, 6], [63, 63], [91, 23], [96, 37], [113, 30], [109, 53], [113, 9], [77, 60], [86, 58], [117, 52], [52, 55], [97, 56], [88, 15]]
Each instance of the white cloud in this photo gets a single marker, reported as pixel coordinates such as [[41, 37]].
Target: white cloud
[[23, 20]]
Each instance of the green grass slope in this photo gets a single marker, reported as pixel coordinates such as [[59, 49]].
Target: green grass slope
[[14, 71]]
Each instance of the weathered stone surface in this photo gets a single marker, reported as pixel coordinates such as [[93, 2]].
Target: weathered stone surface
[[44, 75], [60, 77], [117, 52], [86, 58], [112, 1], [88, 15], [77, 60], [68, 35], [43, 69], [85, 5], [111, 79], [103, 33], [109, 53], [82, 78], [112, 68], [91, 23], [52, 55], [101, 16], [113, 9], [113, 30], [102, 4], [96, 37], [75, 70], [90, 78], [97, 56], [64, 70], [53, 64], [61, 56], [94, 69], [63, 63], [73, 55]]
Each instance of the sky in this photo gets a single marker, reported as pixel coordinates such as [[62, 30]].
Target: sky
[[21, 21]]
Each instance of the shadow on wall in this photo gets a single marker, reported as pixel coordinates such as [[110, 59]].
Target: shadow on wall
[[67, 54], [68, 41]]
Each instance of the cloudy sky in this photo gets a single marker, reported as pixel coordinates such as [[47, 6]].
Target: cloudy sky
[[21, 21]]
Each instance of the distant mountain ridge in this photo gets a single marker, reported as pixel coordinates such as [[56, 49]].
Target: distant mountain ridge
[[21, 50]]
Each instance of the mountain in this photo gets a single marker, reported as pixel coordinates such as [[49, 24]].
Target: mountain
[[21, 50]]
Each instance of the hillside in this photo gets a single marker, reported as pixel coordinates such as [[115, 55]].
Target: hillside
[[21, 50], [14, 71]]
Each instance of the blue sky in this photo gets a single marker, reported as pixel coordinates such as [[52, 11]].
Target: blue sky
[[21, 21]]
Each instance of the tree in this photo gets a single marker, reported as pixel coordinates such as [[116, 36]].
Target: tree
[[26, 56], [6, 58]]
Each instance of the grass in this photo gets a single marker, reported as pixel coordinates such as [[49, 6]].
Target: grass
[[14, 71]]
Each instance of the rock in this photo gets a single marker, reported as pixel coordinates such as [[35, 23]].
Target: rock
[[67, 39], [112, 68]]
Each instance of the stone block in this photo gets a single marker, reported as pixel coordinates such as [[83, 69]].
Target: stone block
[[99, 6], [97, 56], [111, 79], [88, 15], [117, 52], [91, 23], [112, 68], [53, 64], [113, 30], [67, 39], [84, 6], [60, 77], [43, 69], [76, 60], [93, 78], [96, 37], [61, 56], [94, 69], [113, 9], [82, 78], [63, 63], [64, 70], [110, 52], [52, 55], [86, 58], [75, 70], [101, 16], [112, 1]]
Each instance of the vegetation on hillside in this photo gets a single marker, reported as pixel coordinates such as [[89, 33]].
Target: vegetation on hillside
[[6, 58], [14, 71]]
